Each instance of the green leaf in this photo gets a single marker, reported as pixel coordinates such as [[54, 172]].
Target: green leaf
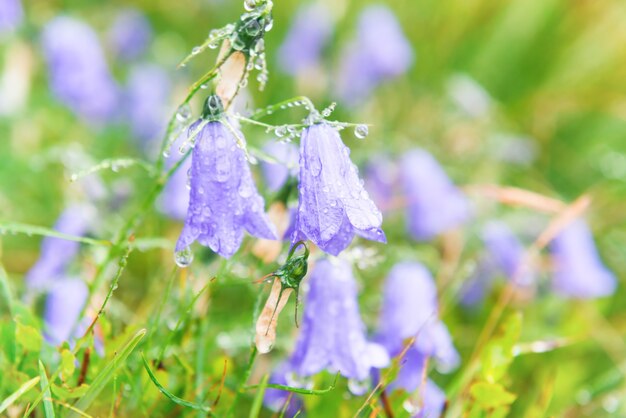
[[16, 395], [6, 296], [498, 353], [255, 410], [107, 373], [48, 408], [7, 341], [67, 393], [171, 396], [298, 390], [68, 363], [28, 337], [491, 395]]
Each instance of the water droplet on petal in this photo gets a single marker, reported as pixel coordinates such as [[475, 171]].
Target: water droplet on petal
[[184, 257], [361, 131], [315, 165], [245, 190]]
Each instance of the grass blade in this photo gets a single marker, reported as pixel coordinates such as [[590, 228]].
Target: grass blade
[[6, 296], [20, 228], [48, 408], [258, 399], [15, 395], [107, 373]]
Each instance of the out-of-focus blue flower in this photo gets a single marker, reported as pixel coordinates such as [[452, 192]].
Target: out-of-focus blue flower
[[11, 15], [147, 97], [380, 180], [64, 303], [333, 204], [276, 174], [223, 199], [410, 310], [275, 399], [78, 72], [431, 399], [303, 45], [56, 253], [380, 52], [332, 334], [435, 205], [130, 34], [174, 199], [578, 269]]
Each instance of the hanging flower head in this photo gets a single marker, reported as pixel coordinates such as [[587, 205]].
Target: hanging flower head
[[11, 15], [334, 205], [578, 269], [79, 74], [332, 334], [130, 34], [276, 399], [434, 203], [309, 33], [223, 200]]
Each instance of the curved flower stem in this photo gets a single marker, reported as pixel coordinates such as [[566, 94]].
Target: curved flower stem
[[308, 104]]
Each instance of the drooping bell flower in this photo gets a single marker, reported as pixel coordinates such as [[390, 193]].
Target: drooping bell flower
[[303, 45], [435, 205], [64, 304], [130, 34], [578, 269], [332, 335], [56, 253], [410, 310], [11, 15], [333, 204], [147, 97], [277, 173], [223, 199], [503, 256], [380, 52], [78, 72], [275, 399], [380, 180]]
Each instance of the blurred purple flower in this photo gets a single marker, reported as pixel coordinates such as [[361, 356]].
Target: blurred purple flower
[[64, 304], [276, 174], [147, 98], [380, 179], [410, 310], [56, 253], [578, 269], [223, 200], [174, 200], [79, 75], [275, 399], [333, 205], [380, 52], [332, 335], [309, 33], [11, 15], [130, 34], [504, 253], [434, 203]]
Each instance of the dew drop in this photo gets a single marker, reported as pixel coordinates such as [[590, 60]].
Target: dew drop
[[249, 5], [196, 50], [361, 131], [184, 257], [245, 190], [358, 387], [74, 177], [315, 165], [280, 131], [184, 113]]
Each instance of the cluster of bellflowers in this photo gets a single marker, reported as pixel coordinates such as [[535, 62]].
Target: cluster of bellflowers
[[11, 16]]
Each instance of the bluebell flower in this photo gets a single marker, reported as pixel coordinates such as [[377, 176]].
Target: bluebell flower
[[147, 98], [275, 399], [56, 253], [578, 269], [380, 180], [333, 204], [435, 205], [64, 304], [303, 45], [276, 173], [504, 254], [223, 199], [410, 309], [130, 34], [78, 72], [380, 52], [11, 15], [174, 199], [332, 335]]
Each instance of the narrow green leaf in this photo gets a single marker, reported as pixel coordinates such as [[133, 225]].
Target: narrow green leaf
[[491, 395], [107, 373], [16, 395], [258, 399], [298, 390], [48, 408], [6, 296], [171, 396], [20, 228]]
